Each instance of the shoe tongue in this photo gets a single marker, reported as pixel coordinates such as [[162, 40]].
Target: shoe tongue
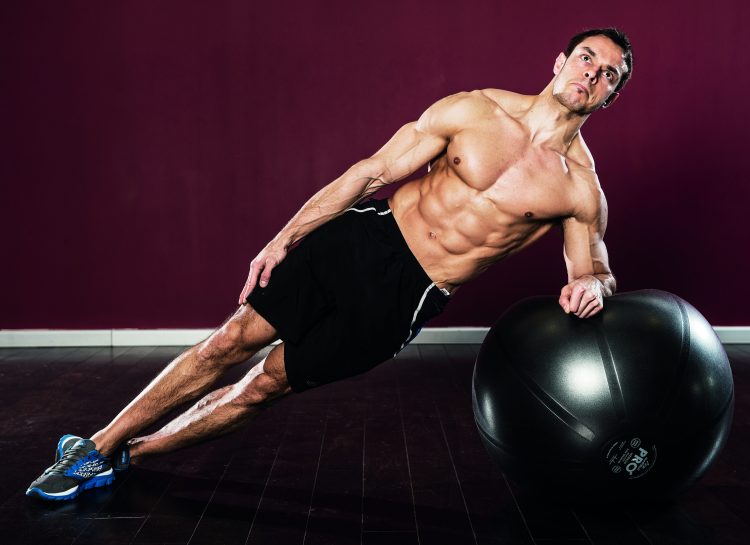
[[86, 445], [70, 441], [79, 450]]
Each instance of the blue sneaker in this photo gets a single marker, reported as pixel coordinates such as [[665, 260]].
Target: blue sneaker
[[80, 467], [120, 458], [65, 442]]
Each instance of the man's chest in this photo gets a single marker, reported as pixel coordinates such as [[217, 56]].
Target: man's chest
[[518, 178]]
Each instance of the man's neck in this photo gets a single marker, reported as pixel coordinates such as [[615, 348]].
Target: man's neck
[[550, 123]]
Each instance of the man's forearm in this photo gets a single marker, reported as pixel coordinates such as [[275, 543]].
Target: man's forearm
[[362, 179]]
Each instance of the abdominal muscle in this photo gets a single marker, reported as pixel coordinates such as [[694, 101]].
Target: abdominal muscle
[[455, 231]]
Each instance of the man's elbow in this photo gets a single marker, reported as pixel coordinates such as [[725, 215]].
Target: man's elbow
[[374, 171]]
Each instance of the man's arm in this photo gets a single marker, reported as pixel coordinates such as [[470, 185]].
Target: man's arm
[[589, 276], [412, 146]]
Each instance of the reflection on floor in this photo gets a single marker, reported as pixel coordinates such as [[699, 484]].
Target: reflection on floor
[[389, 457]]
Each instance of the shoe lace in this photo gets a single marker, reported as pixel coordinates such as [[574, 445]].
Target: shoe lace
[[71, 456]]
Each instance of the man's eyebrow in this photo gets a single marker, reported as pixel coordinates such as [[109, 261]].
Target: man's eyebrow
[[593, 54]]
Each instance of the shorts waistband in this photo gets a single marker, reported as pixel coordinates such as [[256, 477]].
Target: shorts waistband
[[381, 208]]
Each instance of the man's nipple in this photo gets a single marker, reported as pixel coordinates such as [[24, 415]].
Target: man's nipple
[[432, 235], [529, 214], [456, 160]]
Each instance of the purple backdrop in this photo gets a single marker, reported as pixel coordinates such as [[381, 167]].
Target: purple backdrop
[[150, 149]]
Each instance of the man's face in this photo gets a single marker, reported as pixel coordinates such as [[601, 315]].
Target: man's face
[[589, 76]]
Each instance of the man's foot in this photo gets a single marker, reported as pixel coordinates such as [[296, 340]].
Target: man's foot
[[80, 467], [120, 458]]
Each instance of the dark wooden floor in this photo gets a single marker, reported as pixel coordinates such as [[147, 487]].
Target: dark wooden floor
[[389, 457]]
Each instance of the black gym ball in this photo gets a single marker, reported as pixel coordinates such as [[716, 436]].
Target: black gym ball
[[635, 401]]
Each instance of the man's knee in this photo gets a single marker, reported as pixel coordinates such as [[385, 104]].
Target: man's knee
[[223, 342], [238, 338]]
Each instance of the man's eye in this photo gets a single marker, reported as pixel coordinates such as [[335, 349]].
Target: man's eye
[[586, 58], [609, 76]]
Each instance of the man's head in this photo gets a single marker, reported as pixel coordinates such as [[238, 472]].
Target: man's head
[[593, 68]]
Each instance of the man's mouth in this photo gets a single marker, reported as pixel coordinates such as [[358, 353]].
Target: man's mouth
[[582, 88]]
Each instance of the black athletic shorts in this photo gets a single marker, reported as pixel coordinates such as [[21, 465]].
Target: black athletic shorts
[[348, 297]]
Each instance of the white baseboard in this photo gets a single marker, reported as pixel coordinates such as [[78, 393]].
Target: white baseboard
[[733, 334], [38, 338]]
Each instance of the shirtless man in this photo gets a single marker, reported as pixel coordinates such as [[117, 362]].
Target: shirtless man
[[503, 168]]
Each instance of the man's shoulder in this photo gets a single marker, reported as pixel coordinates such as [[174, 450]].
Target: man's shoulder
[[465, 108], [457, 111], [507, 100], [483, 99], [580, 153]]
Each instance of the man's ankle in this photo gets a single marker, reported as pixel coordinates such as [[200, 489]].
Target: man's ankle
[[104, 447]]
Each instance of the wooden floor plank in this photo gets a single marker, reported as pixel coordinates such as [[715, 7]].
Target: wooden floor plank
[[387, 498], [391, 456]]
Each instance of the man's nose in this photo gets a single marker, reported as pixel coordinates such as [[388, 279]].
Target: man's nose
[[591, 75]]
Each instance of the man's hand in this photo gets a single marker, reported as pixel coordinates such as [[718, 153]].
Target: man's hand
[[262, 265], [583, 296]]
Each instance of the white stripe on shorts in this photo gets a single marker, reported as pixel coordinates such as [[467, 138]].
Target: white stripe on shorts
[[414, 318], [383, 213]]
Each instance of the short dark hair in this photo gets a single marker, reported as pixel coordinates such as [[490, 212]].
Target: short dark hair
[[614, 34]]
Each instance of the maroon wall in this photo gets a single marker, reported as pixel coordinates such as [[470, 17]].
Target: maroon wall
[[150, 149]]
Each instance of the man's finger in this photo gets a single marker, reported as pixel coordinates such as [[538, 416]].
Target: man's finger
[[250, 282], [594, 311], [255, 271], [575, 298], [588, 308], [586, 298], [565, 298], [243, 296], [266, 276], [244, 293]]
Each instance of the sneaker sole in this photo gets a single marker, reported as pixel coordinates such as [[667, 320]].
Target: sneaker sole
[[99, 481]]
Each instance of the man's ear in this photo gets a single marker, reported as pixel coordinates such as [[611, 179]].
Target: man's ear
[[610, 100], [559, 62]]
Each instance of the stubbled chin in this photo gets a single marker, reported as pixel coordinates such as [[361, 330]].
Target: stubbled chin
[[576, 103]]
